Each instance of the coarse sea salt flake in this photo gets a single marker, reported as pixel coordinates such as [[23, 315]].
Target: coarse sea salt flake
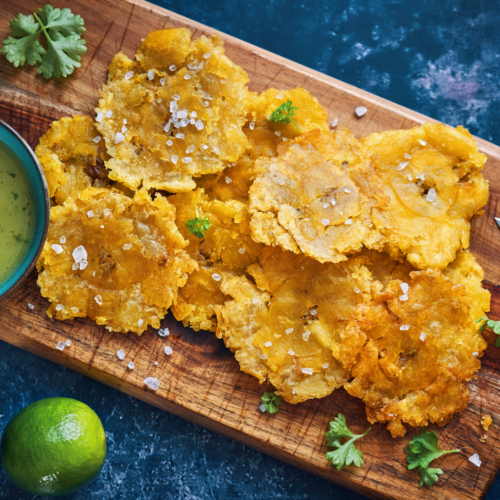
[[59, 307], [120, 354], [262, 408], [361, 110], [151, 74], [169, 142], [403, 165], [124, 129], [241, 250], [475, 354], [347, 190], [79, 254], [75, 266], [422, 142], [127, 246], [163, 332], [140, 322], [61, 346], [168, 350], [31, 306], [410, 177], [187, 159], [255, 301], [190, 149], [348, 221], [423, 336], [305, 335], [83, 264], [97, 139], [68, 342], [475, 460], [281, 182], [325, 222], [172, 67], [403, 298], [407, 156], [109, 114], [199, 125], [291, 352], [326, 365], [404, 327], [98, 299], [174, 159], [187, 77], [405, 287], [74, 310], [268, 344], [314, 312], [99, 116], [431, 195], [278, 133], [228, 180], [62, 240], [206, 55], [204, 146], [252, 125], [307, 371], [216, 277], [333, 202], [356, 289], [162, 81], [119, 137], [288, 331], [129, 75], [335, 122], [279, 96], [57, 248], [152, 383], [90, 213], [131, 365], [325, 205]]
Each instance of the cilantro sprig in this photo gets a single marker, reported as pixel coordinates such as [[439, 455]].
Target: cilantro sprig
[[271, 401], [421, 451], [62, 30], [284, 114], [494, 326], [198, 226], [346, 453]]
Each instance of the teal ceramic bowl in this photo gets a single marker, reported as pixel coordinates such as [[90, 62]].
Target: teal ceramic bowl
[[11, 139]]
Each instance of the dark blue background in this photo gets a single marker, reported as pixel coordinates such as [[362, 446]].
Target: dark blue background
[[438, 57]]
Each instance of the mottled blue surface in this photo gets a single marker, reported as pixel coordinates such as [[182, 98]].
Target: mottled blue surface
[[441, 63]]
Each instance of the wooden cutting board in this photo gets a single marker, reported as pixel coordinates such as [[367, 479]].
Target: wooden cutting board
[[201, 380]]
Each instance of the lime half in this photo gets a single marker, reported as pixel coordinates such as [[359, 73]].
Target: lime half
[[53, 447]]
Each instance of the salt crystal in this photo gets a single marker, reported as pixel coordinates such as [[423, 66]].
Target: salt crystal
[[109, 114], [79, 254], [187, 159], [31, 306], [120, 354], [241, 250], [162, 81], [83, 264], [183, 113], [97, 139], [356, 289], [74, 310], [216, 277], [475, 460], [174, 159], [131, 365], [291, 352], [168, 350], [405, 287], [206, 104], [206, 55], [98, 299], [194, 114], [151, 74], [68, 342], [279, 96], [190, 149], [422, 177], [124, 129], [166, 128], [152, 383], [403, 165], [99, 116], [252, 125], [307, 371], [325, 366], [410, 177], [281, 182], [255, 301], [268, 344], [347, 190], [262, 408], [192, 121], [361, 110], [431, 195], [187, 77], [57, 248], [107, 212], [305, 335], [314, 312], [475, 354], [184, 122], [228, 180], [404, 327], [169, 142], [90, 213], [199, 125], [129, 75], [325, 205], [422, 142], [325, 222], [407, 156], [173, 106], [200, 66], [127, 246], [333, 202], [278, 133], [119, 137], [172, 67], [204, 146], [335, 122], [404, 297], [422, 336], [59, 307], [348, 222], [288, 331], [61, 346], [124, 121], [75, 266], [163, 332]]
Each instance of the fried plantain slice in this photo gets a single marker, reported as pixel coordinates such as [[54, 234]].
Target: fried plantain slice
[[117, 260], [226, 250], [264, 136], [433, 177], [312, 197], [283, 330], [183, 118], [412, 350], [72, 154]]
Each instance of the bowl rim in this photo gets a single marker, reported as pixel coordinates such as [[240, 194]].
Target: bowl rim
[[46, 219]]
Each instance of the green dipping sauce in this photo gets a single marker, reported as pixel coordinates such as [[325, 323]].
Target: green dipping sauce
[[17, 212]]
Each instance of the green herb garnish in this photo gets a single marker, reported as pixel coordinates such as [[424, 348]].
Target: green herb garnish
[[284, 114], [494, 326], [421, 451], [62, 31], [346, 453], [271, 401], [198, 226]]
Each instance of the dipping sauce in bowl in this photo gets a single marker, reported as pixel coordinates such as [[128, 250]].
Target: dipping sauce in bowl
[[24, 209]]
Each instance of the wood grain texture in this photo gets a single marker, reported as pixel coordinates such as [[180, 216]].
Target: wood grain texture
[[201, 380]]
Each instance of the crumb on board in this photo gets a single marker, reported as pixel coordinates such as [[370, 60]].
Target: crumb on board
[[486, 421]]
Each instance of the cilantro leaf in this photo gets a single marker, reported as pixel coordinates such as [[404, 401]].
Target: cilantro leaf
[[494, 326], [428, 476], [284, 114], [198, 226], [271, 401], [346, 453], [421, 451], [62, 31], [27, 48]]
